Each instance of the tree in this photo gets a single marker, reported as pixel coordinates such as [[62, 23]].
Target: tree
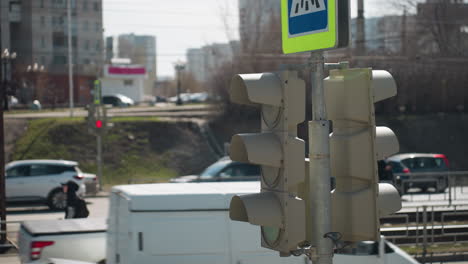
[[439, 28]]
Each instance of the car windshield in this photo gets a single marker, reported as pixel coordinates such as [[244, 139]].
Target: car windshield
[[213, 169], [423, 164]]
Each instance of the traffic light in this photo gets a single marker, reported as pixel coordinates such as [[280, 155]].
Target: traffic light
[[97, 119], [277, 208], [356, 145], [98, 124]]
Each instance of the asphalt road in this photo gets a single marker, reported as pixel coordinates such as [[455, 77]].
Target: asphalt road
[[16, 212], [98, 207], [164, 110]]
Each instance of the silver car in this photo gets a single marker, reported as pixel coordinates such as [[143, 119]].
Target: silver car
[[40, 180]]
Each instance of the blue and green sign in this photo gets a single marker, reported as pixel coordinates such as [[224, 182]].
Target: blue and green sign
[[309, 25]]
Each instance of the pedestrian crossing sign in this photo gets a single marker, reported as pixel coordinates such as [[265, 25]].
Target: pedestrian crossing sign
[[309, 25]]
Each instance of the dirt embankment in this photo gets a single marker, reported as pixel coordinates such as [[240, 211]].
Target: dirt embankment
[[14, 129]]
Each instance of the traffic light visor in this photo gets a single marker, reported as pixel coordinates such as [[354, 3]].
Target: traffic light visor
[[256, 88], [262, 209], [262, 149]]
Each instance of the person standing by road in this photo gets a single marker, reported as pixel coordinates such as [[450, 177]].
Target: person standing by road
[[76, 207]]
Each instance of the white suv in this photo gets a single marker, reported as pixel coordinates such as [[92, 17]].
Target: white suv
[[40, 180]]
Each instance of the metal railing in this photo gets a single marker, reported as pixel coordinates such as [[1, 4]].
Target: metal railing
[[427, 226], [447, 186]]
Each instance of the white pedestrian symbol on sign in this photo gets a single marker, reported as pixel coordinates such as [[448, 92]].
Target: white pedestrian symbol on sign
[[304, 7]]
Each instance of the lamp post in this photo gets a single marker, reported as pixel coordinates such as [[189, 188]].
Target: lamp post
[[6, 59], [179, 67], [34, 70]]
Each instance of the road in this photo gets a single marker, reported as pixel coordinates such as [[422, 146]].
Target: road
[[97, 206], [165, 110], [454, 196]]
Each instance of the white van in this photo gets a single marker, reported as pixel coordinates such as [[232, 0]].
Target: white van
[[189, 223]]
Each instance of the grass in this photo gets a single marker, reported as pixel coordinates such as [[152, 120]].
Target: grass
[[37, 142], [439, 248], [127, 152], [134, 119], [44, 110]]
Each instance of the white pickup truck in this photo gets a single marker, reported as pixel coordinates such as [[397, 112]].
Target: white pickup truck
[[78, 239]]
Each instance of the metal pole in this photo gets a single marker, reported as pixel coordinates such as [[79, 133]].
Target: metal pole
[[70, 57], [179, 101], [3, 226], [99, 159], [424, 233], [99, 116], [360, 29], [319, 156]]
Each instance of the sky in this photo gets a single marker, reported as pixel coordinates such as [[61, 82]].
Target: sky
[[183, 24]]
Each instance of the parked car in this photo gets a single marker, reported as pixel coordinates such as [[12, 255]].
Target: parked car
[[191, 98], [118, 100], [420, 170], [224, 170], [40, 180]]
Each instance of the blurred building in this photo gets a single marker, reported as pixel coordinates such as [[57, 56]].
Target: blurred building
[[203, 62], [140, 50], [259, 26], [38, 31], [125, 79]]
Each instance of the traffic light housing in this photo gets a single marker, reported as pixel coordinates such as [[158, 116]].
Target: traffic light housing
[[280, 153], [356, 145], [98, 124], [97, 119]]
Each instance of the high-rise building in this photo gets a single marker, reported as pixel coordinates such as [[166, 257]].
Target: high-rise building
[[38, 32], [140, 49], [203, 62]]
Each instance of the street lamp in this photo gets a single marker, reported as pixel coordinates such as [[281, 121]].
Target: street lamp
[[179, 67], [34, 70], [7, 59]]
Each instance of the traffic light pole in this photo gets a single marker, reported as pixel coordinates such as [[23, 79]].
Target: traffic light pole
[[319, 170], [99, 159], [3, 225], [100, 113]]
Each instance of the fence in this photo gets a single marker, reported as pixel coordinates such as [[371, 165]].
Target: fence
[[451, 186], [427, 226]]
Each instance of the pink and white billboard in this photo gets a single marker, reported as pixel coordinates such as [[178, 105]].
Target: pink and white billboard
[[125, 71]]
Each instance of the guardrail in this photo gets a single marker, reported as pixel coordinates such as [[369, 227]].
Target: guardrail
[[426, 226], [453, 185]]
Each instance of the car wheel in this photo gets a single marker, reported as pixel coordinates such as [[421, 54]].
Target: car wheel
[[57, 200]]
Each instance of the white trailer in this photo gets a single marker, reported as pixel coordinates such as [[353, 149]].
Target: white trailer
[[189, 223]]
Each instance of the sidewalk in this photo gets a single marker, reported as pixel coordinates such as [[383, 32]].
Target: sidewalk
[[10, 258]]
